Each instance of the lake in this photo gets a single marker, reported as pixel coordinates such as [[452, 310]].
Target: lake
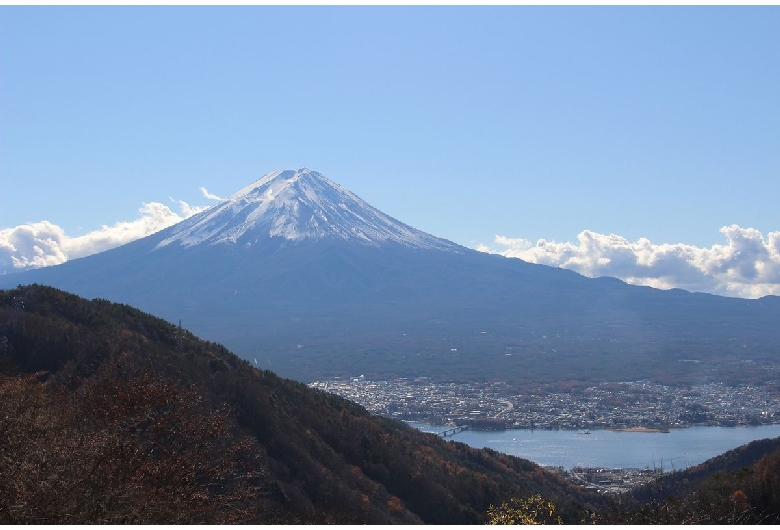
[[677, 449]]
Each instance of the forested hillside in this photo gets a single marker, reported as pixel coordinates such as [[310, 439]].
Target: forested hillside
[[110, 415], [739, 486]]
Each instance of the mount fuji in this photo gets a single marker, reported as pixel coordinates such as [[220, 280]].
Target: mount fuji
[[298, 206], [301, 276]]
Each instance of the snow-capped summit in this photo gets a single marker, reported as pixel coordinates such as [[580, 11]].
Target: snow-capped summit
[[296, 206]]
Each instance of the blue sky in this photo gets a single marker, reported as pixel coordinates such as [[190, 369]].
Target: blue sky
[[562, 124]]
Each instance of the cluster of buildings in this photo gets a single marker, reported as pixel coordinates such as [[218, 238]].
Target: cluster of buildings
[[609, 481], [623, 405]]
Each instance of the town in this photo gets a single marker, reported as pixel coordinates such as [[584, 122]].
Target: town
[[621, 405], [638, 405]]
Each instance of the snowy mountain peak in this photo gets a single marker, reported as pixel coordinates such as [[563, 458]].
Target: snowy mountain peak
[[266, 186], [296, 206]]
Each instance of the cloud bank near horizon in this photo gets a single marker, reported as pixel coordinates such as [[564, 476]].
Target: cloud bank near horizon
[[747, 266], [42, 244]]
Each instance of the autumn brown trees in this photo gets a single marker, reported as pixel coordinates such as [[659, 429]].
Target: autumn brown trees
[[120, 450], [109, 415]]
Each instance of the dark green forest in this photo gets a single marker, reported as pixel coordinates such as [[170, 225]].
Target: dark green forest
[[109, 415]]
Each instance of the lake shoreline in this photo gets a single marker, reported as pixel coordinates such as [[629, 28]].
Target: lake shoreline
[[640, 429], [622, 448]]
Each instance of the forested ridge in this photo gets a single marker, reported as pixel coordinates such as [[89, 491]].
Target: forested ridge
[[110, 415]]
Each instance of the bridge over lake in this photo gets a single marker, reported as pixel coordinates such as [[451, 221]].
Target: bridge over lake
[[453, 430]]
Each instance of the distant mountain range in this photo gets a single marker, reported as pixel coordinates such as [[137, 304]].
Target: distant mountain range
[[301, 276]]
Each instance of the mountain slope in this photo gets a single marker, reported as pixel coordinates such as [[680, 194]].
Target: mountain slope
[[297, 206], [741, 486], [322, 284], [114, 416]]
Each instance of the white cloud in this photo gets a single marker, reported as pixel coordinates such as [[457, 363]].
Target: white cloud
[[32, 245], [747, 266], [186, 209], [208, 195], [43, 243]]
